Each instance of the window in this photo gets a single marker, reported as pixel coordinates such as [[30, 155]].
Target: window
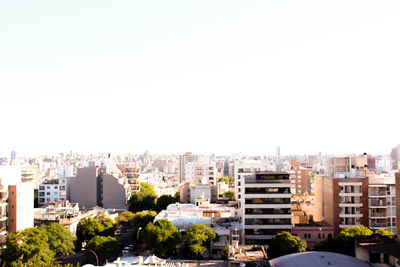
[[305, 236], [319, 236], [309, 235]]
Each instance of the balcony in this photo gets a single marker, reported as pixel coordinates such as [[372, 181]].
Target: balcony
[[347, 225], [377, 194], [378, 215], [378, 225]]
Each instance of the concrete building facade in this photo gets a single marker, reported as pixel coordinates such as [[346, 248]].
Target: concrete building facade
[[266, 206], [95, 186], [341, 202], [53, 190]]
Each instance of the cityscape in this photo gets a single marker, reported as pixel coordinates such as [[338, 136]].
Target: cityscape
[[189, 209], [189, 133]]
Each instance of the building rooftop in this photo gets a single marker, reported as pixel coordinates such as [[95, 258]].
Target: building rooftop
[[317, 259]]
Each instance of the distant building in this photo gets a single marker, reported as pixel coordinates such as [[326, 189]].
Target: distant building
[[395, 158], [53, 190], [299, 179], [95, 186], [183, 160]]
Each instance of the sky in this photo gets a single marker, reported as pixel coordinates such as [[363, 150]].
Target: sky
[[202, 76]]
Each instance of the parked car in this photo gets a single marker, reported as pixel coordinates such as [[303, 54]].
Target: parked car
[[118, 232]]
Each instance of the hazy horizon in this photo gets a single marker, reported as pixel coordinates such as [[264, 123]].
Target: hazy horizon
[[209, 76]]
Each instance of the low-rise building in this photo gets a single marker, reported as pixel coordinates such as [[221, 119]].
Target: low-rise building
[[62, 212]]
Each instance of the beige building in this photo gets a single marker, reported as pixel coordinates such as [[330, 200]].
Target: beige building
[[96, 186], [190, 192], [341, 202]]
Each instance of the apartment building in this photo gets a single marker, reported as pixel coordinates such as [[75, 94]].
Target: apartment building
[[183, 160], [17, 198], [202, 171], [341, 201], [99, 186], [53, 190], [299, 178], [3, 211], [382, 202], [132, 174], [395, 158], [266, 205], [241, 169]]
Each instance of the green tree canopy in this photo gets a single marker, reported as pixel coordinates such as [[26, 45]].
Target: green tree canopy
[[103, 246], [385, 232], [90, 227], [163, 202], [224, 179], [285, 243], [198, 235], [145, 199], [344, 242], [60, 239], [162, 237], [125, 218], [230, 194], [142, 218], [109, 225], [30, 244]]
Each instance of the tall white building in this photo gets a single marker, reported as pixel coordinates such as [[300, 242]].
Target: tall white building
[[19, 193], [241, 169], [266, 206], [199, 169]]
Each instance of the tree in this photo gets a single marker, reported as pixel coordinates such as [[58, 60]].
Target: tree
[[125, 218], [90, 227], [385, 232], [162, 237], [224, 179], [109, 225], [145, 199], [142, 218], [60, 239], [103, 246], [30, 244], [87, 229], [163, 202], [344, 242], [230, 194], [198, 235], [285, 243]]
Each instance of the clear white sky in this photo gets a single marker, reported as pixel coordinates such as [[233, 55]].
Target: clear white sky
[[202, 76]]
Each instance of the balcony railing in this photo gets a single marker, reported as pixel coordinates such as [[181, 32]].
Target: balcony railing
[[350, 191], [349, 202], [377, 194], [378, 214], [378, 224]]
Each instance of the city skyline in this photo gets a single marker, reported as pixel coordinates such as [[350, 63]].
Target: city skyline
[[205, 77]]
